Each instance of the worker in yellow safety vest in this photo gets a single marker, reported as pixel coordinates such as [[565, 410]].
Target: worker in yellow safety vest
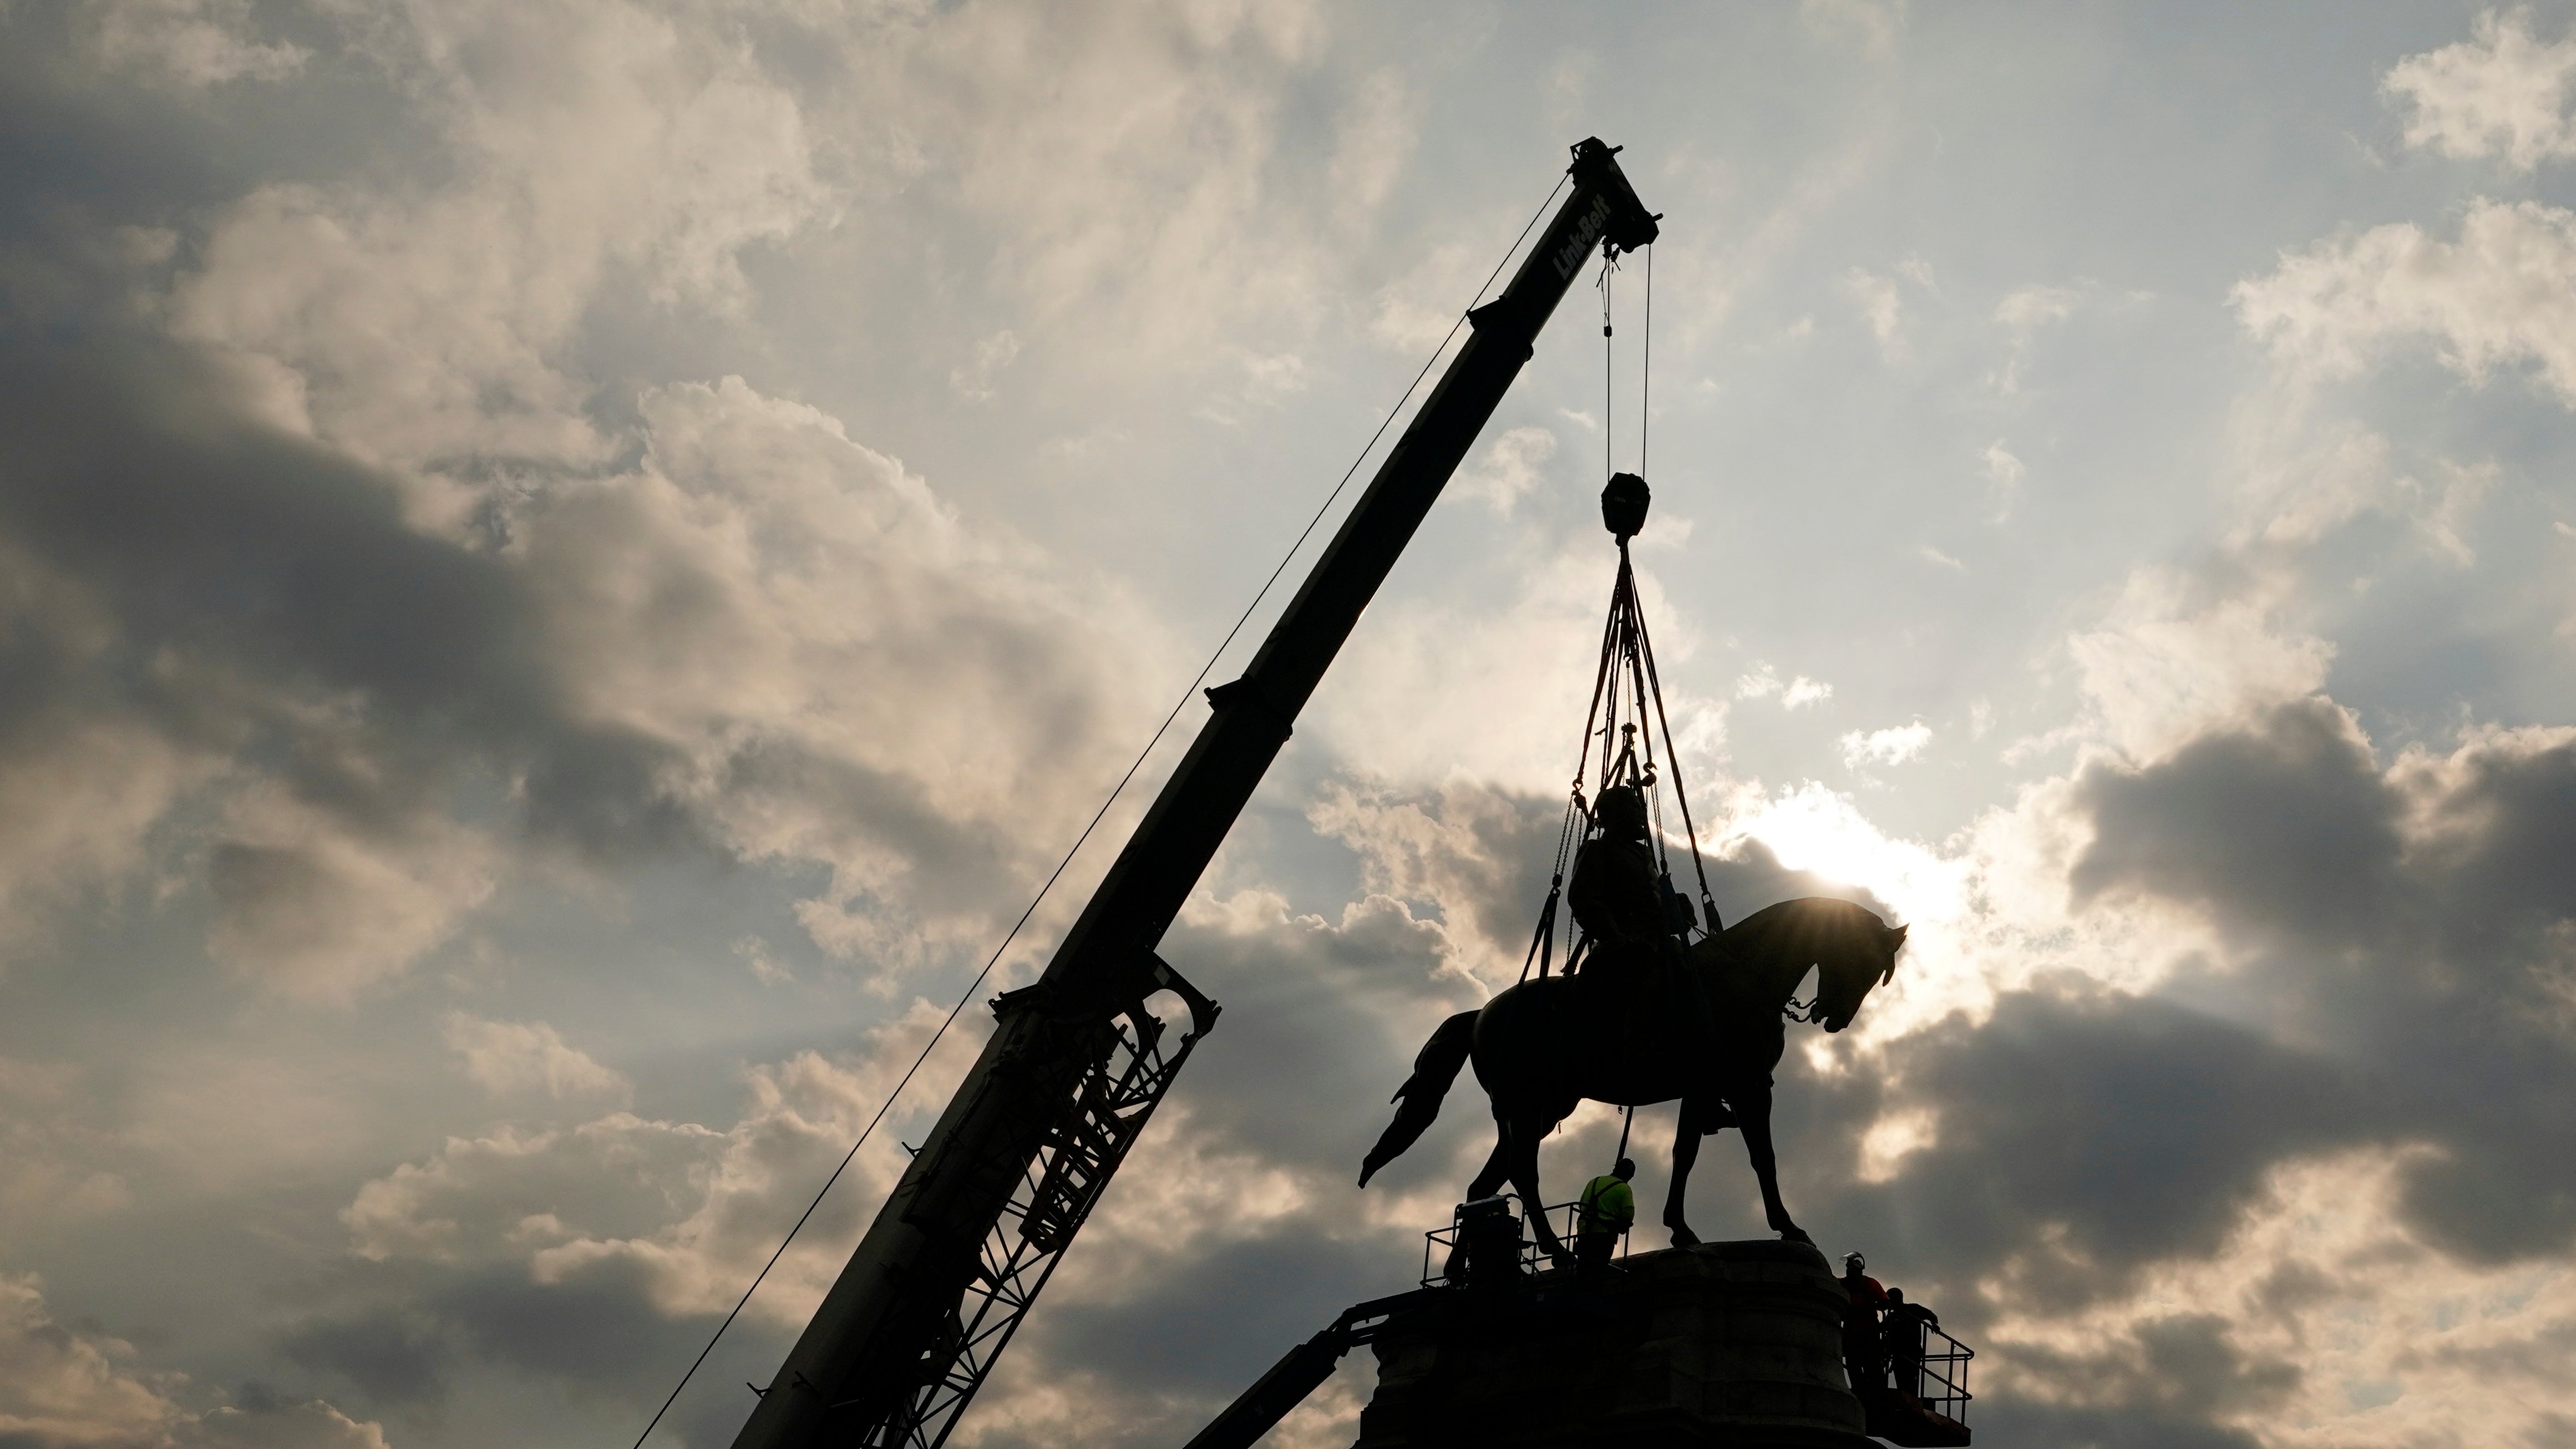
[[1604, 1212]]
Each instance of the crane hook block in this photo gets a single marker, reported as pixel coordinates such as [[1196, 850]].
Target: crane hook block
[[1623, 505]]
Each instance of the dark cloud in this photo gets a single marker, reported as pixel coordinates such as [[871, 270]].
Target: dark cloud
[[395, 1358], [141, 471], [2005, 1421], [2286, 828], [2179, 1367], [2414, 918], [594, 1328], [2130, 1129], [1321, 1022], [1207, 1325], [244, 595]]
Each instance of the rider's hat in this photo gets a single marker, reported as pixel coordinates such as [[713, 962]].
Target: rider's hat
[[1620, 805]]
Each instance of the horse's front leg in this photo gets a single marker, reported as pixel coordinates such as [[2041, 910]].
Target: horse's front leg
[[1753, 1114], [1686, 1135], [1521, 1137]]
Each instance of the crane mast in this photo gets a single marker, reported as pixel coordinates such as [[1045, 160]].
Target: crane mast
[[1075, 1065]]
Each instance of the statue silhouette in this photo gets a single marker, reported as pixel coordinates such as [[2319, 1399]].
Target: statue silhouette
[[1545, 1045]]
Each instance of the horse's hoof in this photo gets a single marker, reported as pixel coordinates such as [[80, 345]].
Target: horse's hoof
[[1684, 1237], [1796, 1235]]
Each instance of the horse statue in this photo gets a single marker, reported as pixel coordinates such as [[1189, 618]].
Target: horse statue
[[1545, 1045]]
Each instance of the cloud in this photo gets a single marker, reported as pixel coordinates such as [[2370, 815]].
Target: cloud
[[81, 779], [2502, 92], [505, 1057], [2004, 473], [1894, 745], [2501, 295], [1477, 854], [622, 1223], [1116, 158], [1872, 26], [425, 328], [51, 1171], [1764, 683], [316, 904], [63, 1387], [1509, 470], [684, 651], [2408, 914], [2314, 1324], [1881, 307], [1376, 134], [2170, 662], [190, 43], [974, 381], [2024, 310], [735, 605], [2306, 810], [1498, 689]]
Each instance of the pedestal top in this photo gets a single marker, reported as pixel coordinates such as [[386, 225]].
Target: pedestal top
[[1719, 1346]]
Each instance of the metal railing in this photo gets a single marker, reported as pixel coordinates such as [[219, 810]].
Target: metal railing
[[1440, 1246], [1939, 1371]]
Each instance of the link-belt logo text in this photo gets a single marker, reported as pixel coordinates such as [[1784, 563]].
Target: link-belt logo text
[[1586, 232]]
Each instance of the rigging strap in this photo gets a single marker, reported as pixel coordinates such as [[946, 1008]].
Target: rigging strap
[[1627, 709]]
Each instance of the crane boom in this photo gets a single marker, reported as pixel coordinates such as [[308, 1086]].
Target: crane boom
[[1061, 1090]]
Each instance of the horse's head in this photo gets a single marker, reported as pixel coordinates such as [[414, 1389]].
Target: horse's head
[[1852, 967]]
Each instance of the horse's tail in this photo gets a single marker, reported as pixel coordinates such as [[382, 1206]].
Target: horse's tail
[[1420, 1095]]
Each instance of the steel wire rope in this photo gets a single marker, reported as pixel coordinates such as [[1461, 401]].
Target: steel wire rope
[[1097, 816], [1646, 367], [1609, 414]]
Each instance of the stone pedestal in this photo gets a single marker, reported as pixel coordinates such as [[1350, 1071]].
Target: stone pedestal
[[1722, 1346]]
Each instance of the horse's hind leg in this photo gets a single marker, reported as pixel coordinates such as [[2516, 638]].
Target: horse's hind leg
[[1686, 1134], [1498, 1164]]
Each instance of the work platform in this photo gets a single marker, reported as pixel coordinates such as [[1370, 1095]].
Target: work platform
[[1719, 1346]]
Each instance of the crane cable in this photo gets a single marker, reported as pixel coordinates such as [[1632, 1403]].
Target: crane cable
[[1626, 665], [1097, 816]]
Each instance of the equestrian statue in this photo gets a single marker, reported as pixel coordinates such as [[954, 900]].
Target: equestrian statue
[[1647, 1019]]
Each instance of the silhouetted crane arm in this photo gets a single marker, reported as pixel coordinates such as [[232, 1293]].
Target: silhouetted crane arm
[[880, 1363]]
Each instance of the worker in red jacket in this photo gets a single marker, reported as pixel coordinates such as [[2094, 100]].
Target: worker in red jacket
[[1864, 1350]]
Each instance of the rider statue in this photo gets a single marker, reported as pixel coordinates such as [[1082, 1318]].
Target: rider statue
[[1618, 894], [1636, 967]]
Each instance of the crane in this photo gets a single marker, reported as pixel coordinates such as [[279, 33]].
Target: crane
[[957, 1254]]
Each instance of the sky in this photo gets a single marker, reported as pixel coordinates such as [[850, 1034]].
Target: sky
[[569, 567]]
